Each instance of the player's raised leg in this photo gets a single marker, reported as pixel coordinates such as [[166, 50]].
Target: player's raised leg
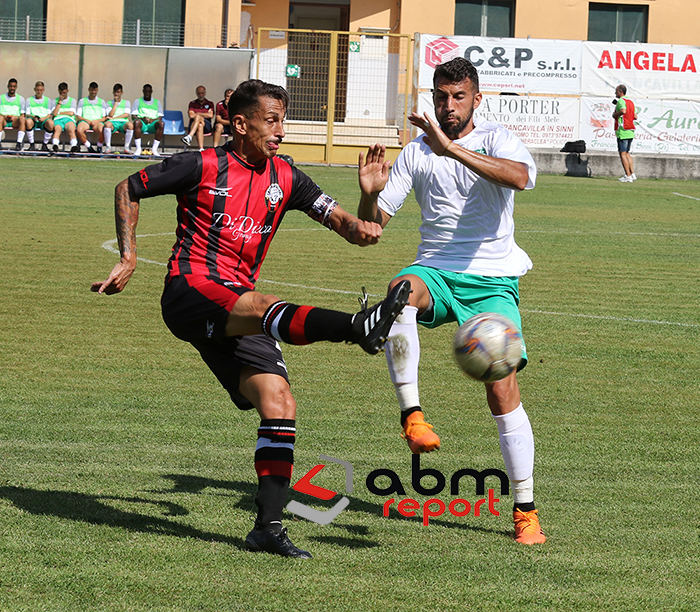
[[403, 356], [518, 449], [300, 325]]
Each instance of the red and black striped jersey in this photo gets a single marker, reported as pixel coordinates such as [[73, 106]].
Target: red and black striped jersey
[[228, 211]]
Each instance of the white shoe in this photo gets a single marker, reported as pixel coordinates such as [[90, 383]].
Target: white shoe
[[187, 139], [633, 176], [127, 151], [156, 154], [106, 150], [137, 152], [625, 179]]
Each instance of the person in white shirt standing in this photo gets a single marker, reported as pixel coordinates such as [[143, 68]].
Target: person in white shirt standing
[[464, 173]]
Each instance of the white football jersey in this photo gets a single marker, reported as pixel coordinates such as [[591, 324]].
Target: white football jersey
[[467, 222]]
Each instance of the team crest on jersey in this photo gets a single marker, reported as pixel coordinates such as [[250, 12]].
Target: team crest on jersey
[[273, 196]]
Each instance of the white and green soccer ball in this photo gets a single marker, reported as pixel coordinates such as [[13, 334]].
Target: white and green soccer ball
[[488, 347]]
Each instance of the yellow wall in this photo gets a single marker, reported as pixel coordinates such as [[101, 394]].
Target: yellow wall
[[85, 21], [99, 21], [427, 17], [373, 14], [670, 21]]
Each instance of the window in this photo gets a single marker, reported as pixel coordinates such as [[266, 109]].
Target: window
[[485, 18], [617, 22], [13, 19], [154, 22]]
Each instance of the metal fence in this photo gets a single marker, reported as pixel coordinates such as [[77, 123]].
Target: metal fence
[[127, 33], [348, 89]]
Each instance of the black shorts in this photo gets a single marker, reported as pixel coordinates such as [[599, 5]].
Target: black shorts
[[195, 309]]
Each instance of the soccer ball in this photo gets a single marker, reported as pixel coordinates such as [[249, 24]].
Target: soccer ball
[[488, 347]]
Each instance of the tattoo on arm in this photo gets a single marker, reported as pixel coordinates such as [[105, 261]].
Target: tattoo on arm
[[126, 213]]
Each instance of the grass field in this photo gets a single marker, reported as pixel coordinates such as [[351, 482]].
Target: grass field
[[126, 479]]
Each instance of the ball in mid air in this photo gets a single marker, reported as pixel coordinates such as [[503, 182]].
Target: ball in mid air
[[488, 347]]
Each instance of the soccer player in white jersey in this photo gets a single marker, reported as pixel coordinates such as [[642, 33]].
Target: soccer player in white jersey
[[464, 174]]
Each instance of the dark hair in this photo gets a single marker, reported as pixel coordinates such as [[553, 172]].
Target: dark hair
[[62, 86], [12, 81], [623, 89], [245, 100], [93, 85], [117, 86], [456, 71], [39, 83]]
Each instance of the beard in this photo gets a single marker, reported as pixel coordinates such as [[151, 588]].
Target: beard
[[455, 128]]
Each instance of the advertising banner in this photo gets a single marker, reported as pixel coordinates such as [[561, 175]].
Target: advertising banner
[[663, 126], [517, 65], [648, 71], [537, 121]]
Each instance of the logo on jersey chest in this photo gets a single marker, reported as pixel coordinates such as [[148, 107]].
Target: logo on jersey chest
[[221, 192], [241, 227], [273, 196]]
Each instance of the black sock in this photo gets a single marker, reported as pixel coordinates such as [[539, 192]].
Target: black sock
[[405, 413], [306, 324], [274, 460], [528, 507]]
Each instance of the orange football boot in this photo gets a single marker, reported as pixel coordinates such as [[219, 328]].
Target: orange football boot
[[419, 434], [527, 528]]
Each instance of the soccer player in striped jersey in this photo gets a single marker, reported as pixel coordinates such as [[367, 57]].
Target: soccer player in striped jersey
[[231, 200]]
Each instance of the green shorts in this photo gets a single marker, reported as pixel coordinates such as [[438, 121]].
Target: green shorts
[[148, 128], [63, 120], [40, 125], [458, 296], [120, 125]]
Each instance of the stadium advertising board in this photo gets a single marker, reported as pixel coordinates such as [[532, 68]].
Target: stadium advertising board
[[648, 70], [663, 126], [516, 65], [537, 121]]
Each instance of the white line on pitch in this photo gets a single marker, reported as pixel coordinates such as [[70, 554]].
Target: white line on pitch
[[109, 246], [685, 196]]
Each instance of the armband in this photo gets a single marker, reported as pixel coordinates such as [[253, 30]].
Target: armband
[[322, 209]]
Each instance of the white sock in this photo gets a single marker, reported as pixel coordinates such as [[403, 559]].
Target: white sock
[[20, 137], [47, 137], [154, 148], [55, 141], [128, 135], [402, 357], [30, 136], [518, 450], [74, 141], [107, 135], [137, 143]]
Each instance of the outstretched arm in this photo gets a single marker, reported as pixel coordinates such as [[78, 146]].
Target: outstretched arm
[[373, 173], [354, 230], [501, 172], [126, 213]]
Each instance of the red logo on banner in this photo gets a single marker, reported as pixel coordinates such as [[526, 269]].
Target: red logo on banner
[[440, 51]]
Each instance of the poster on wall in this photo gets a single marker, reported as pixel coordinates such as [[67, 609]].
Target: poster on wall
[[537, 121], [647, 70], [516, 65], [663, 126]]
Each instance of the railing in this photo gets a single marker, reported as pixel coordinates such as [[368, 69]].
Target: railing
[[126, 33]]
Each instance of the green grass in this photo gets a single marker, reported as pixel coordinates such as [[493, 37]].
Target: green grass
[[126, 480]]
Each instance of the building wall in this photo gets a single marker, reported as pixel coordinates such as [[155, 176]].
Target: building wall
[[85, 21], [439, 19], [670, 21]]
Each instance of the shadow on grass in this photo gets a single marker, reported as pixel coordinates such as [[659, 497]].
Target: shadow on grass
[[184, 483], [96, 510]]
